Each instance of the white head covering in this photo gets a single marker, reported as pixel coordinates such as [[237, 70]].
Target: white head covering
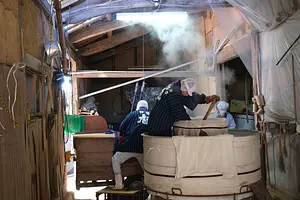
[[189, 85], [222, 107], [142, 103]]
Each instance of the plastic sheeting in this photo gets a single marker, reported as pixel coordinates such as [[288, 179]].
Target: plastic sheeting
[[264, 15], [277, 82], [234, 26], [279, 25]]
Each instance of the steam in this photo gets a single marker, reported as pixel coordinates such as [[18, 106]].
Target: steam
[[179, 39]]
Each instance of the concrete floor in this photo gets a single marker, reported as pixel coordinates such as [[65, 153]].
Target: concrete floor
[[83, 193]]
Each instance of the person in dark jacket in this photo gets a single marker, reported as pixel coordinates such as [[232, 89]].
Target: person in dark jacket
[[131, 129], [169, 106]]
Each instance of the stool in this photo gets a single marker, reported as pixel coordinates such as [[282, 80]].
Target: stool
[[109, 193]]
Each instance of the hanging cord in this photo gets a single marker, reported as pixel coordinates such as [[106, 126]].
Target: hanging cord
[[15, 67], [284, 141], [0, 121], [281, 158]]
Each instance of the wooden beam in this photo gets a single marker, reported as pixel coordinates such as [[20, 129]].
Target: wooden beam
[[81, 12], [227, 53], [75, 89], [69, 3], [131, 74], [96, 30], [118, 39]]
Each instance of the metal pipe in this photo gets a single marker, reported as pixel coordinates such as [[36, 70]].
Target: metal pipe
[[61, 34], [137, 80]]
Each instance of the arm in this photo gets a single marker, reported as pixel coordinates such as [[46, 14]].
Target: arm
[[191, 102], [125, 123], [175, 104]]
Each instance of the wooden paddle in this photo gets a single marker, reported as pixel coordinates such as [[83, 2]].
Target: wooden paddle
[[212, 105]]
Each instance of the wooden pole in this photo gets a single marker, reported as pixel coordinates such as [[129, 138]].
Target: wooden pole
[[61, 34], [75, 89], [294, 88]]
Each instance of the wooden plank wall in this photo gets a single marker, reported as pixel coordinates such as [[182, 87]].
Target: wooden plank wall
[[31, 161], [15, 176]]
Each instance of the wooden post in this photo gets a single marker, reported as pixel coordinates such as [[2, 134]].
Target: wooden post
[[57, 6], [75, 89]]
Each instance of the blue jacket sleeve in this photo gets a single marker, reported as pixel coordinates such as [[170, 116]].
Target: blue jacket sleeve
[[125, 122], [231, 122]]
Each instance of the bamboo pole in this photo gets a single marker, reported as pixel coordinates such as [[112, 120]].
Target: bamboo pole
[[137, 80]]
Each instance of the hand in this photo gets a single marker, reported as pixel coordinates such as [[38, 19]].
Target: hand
[[212, 98]]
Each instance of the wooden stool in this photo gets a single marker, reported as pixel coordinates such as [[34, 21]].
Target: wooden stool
[[110, 194]]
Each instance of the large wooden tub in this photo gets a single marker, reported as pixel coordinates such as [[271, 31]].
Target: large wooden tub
[[160, 169], [93, 160]]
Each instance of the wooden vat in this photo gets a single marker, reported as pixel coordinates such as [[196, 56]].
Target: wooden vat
[[160, 168]]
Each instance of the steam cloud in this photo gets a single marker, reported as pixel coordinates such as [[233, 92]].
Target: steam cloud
[[178, 39]]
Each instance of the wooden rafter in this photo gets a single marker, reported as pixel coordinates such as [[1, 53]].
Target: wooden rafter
[[69, 3], [116, 40], [96, 30], [131, 74]]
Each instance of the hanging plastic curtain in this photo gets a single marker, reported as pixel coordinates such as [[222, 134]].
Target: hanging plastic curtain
[[73, 124]]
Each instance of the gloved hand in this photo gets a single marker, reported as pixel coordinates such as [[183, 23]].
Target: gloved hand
[[212, 98]]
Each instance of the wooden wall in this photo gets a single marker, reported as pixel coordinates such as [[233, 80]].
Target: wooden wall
[[31, 154], [129, 58], [22, 17]]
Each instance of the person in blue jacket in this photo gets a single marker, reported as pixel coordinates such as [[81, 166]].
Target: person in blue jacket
[[131, 128], [221, 112]]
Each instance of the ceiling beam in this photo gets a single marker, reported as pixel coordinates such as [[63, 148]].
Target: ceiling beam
[[116, 40], [93, 8], [96, 30], [131, 74], [69, 3]]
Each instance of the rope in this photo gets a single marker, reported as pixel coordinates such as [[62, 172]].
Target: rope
[[0, 121], [15, 67]]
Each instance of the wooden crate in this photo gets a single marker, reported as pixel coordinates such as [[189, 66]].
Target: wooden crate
[[93, 160]]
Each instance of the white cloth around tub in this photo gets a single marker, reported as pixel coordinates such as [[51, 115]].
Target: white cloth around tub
[[160, 162], [196, 155]]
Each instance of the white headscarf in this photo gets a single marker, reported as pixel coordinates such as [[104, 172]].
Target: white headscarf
[[142, 103], [222, 107], [189, 85]]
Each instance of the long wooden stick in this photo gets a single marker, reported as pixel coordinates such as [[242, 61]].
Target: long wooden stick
[[212, 105], [294, 88]]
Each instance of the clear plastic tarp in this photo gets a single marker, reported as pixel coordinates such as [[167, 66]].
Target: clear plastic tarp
[[278, 24]]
